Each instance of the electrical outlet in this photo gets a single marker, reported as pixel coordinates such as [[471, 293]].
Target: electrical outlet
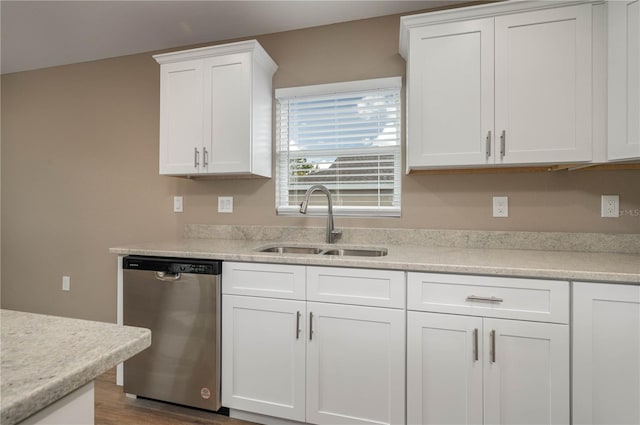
[[66, 283], [177, 204], [225, 204], [610, 206], [500, 206]]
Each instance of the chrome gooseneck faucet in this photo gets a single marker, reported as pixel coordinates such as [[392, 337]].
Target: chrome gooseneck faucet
[[332, 234]]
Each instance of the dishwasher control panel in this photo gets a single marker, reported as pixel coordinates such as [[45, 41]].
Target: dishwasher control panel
[[172, 265]]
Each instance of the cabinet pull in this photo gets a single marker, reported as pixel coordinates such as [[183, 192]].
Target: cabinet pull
[[488, 144], [493, 346], [310, 326], [205, 157], [503, 142], [298, 325], [196, 158], [475, 344], [484, 299]]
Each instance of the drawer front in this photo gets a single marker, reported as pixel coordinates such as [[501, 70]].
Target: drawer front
[[501, 297], [263, 280], [377, 288]]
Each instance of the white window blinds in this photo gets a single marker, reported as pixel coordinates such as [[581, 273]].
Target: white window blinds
[[345, 136]]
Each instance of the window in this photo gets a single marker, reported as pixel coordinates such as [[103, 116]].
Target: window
[[345, 136]]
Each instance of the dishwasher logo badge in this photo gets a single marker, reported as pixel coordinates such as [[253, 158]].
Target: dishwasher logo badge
[[205, 393]]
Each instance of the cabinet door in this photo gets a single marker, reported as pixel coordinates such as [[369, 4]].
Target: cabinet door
[[543, 85], [526, 377], [227, 124], [181, 117], [263, 353], [355, 365], [444, 369], [450, 94], [606, 354], [624, 79]]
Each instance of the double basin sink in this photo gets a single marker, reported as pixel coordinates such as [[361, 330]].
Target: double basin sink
[[319, 250]]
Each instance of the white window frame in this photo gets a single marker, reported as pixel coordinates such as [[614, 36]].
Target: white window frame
[[282, 148]]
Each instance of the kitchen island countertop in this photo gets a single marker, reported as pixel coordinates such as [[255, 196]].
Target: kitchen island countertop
[[44, 358], [566, 265]]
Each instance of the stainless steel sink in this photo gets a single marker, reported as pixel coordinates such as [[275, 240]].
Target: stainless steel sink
[[319, 250], [283, 249], [360, 252]]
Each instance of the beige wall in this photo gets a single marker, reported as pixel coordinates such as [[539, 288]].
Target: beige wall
[[80, 172]]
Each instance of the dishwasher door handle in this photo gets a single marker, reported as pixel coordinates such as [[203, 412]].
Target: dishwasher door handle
[[168, 277]]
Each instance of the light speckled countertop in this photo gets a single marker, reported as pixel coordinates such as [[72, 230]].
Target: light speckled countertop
[[45, 358], [588, 266]]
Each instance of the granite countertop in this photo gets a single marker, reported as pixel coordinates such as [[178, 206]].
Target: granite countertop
[[567, 265], [44, 358]]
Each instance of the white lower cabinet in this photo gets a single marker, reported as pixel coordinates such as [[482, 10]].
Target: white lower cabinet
[[468, 369], [606, 354], [263, 354], [307, 361], [355, 365]]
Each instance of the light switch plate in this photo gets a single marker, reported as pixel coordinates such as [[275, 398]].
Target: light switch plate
[[177, 204], [225, 204]]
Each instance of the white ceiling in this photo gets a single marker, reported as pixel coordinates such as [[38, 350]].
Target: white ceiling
[[40, 34]]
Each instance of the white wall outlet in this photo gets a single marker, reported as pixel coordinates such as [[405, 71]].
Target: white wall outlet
[[500, 206], [177, 204], [225, 204], [66, 283], [610, 206]]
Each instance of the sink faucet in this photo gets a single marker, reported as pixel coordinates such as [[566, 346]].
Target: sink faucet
[[332, 234]]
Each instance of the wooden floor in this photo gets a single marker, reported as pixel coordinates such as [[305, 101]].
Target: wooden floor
[[112, 407]]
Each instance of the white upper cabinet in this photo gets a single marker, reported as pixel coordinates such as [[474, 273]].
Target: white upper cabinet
[[505, 84], [624, 79], [215, 110]]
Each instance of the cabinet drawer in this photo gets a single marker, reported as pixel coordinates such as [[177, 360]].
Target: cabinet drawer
[[263, 280], [378, 288], [501, 297]]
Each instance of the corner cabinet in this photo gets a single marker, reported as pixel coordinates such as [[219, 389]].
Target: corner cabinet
[[606, 354], [499, 84], [319, 345], [487, 350], [216, 111], [624, 79]]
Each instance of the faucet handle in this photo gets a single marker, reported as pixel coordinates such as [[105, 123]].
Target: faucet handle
[[336, 233]]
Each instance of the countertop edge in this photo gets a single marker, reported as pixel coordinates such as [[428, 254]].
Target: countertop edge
[[53, 391], [394, 264]]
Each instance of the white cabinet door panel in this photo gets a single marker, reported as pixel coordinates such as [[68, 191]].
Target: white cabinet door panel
[[543, 85], [227, 84], [606, 354], [181, 101], [624, 79], [450, 102], [263, 354], [355, 365], [444, 364], [526, 378]]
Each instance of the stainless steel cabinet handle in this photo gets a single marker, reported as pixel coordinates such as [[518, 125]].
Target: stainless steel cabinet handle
[[488, 142], [298, 325], [196, 158], [484, 299], [475, 344], [503, 143], [493, 346], [205, 157], [310, 326]]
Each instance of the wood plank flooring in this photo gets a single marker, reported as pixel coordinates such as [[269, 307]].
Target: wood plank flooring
[[112, 407]]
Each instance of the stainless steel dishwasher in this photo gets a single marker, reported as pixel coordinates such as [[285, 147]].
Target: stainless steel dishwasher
[[179, 300]]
